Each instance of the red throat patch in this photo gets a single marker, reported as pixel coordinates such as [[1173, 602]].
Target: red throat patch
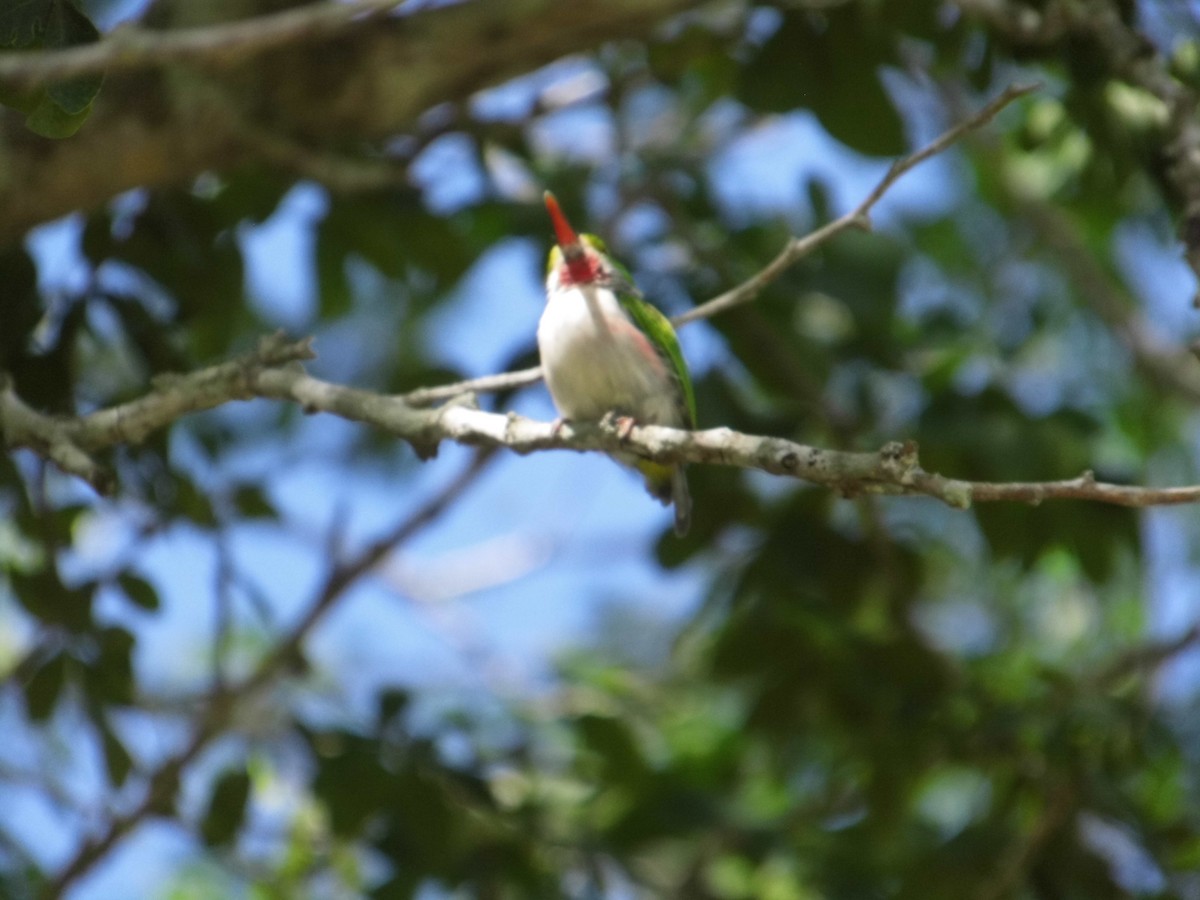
[[583, 269]]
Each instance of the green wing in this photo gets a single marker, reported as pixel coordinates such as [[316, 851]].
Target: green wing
[[652, 323], [658, 328]]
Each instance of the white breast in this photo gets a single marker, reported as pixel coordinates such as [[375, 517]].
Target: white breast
[[597, 361]]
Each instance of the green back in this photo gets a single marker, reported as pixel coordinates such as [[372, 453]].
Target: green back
[[652, 323]]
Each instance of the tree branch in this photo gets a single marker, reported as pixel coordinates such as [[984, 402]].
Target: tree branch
[[163, 782], [129, 48], [329, 83], [1131, 57], [71, 442], [270, 372], [859, 217], [1146, 658], [486, 384], [796, 249]]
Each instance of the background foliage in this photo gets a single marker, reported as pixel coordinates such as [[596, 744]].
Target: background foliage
[[847, 698]]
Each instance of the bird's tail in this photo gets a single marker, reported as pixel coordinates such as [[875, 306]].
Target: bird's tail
[[682, 500], [668, 485]]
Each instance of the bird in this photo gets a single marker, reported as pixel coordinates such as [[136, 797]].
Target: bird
[[608, 353]]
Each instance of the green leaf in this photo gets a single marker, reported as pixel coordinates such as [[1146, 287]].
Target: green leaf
[[110, 679], [392, 702], [192, 503], [226, 808], [613, 742], [20, 304], [44, 688], [829, 63], [43, 594], [117, 760], [252, 503], [68, 27], [22, 22], [351, 781], [139, 592], [59, 110], [50, 120], [698, 61]]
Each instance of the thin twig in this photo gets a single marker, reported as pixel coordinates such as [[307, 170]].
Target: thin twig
[[164, 781], [796, 249], [1017, 861], [1121, 52], [1147, 657], [859, 217]]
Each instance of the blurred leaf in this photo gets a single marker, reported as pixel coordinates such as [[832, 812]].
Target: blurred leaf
[[252, 503], [110, 679], [68, 27], [614, 746], [45, 686], [1099, 541], [226, 808], [193, 504], [117, 761], [695, 57], [23, 22], [828, 62], [184, 245], [44, 595], [59, 110], [138, 591], [20, 305], [350, 781], [392, 703]]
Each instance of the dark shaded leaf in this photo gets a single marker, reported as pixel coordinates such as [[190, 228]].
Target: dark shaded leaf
[[68, 27], [117, 761], [44, 595], [829, 62], [252, 503], [45, 686], [193, 504], [110, 679], [226, 808], [59, 110], [138, 591], [23, 22]]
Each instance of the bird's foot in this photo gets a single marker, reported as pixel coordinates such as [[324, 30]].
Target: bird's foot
[[622, 423], [556, 426], [625, 426]]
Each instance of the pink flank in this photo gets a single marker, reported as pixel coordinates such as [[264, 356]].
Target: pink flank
[[623, 329]]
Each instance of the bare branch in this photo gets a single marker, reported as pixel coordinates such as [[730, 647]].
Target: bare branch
[[269, 372], [796, 249], [214, 720], [859, 217], [71, 442], [486, 384], [129, 47], [1147, 657]]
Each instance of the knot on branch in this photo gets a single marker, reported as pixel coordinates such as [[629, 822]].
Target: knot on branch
[[278, 349], [898, 461]]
